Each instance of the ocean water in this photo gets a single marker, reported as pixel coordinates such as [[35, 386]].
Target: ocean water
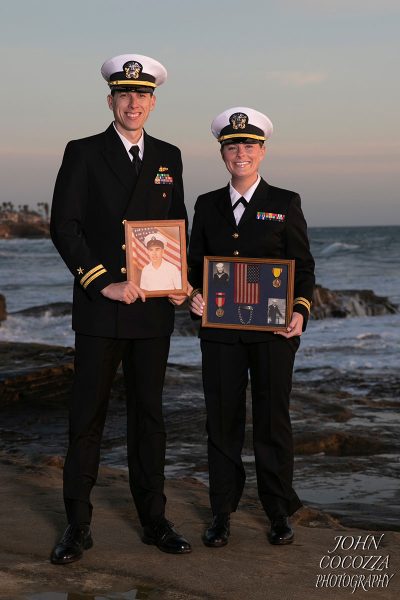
[[32, 274]]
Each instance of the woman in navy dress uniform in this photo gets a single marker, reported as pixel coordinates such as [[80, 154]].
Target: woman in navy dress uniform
[[249, 218]]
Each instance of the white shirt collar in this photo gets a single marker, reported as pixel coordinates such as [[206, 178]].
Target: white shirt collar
[[128, 145], [247, 195]]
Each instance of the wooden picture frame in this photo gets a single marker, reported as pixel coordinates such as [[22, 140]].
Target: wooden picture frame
[[156, 256], [248, 293]]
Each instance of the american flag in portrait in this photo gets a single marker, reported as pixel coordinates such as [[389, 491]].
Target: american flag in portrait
[[139, 252], [247, 284]]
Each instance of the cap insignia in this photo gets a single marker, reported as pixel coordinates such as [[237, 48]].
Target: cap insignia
[[238, 120], [132, 69]]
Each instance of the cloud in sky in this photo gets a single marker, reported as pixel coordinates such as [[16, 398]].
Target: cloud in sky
[[296, 78]]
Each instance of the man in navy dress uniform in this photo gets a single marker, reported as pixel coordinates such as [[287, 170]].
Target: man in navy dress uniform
[[103, 181], [249, 218]]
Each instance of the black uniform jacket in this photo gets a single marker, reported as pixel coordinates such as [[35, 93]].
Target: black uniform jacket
[[215, 233], [94, 193]]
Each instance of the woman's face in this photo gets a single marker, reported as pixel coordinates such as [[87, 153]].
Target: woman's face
[[242, 160]]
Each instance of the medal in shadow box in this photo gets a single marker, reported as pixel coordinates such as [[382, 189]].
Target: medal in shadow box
[[248, 293]]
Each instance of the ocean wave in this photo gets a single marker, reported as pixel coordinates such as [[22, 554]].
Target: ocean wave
[[40, 330], [338, 247], [368, 336]]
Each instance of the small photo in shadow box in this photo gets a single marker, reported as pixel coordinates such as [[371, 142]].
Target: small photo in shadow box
[[248, 293]]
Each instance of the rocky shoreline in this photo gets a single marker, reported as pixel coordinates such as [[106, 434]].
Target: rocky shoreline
[[326, 304], [120, 566], [23, 223], [345, 427], [339, 436]]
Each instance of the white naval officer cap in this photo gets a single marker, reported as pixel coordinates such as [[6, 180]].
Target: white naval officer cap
[[155, 239], [241, 125], [133, 72]]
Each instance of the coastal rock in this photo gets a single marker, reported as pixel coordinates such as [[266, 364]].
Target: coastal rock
[[338, 444], [248, 568], [35, 373], [24, 230], [3, 311], [54, 309], [23, 224], [349, 303]]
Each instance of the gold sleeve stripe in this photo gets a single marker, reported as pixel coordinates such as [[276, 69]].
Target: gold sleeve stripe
[[93, 277], [89, 273], [303, 303], [303, 299], [126, 83], [241, 135]]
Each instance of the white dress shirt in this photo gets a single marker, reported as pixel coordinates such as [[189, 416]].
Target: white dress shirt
[[128, 145], [166, 277], [239, 210]]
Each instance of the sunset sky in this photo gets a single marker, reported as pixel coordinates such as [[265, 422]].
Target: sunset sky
[[324, 71]]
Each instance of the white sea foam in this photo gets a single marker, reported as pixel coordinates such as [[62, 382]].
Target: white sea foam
[[41, 330], [351, 344], [338, 247]]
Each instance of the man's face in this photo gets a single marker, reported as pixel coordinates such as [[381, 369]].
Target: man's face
[[131, 110], [155, 253], [242, 160], [220, 268]]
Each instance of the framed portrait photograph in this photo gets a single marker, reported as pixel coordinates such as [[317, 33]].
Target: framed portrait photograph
[[248, 293], [156, 256]]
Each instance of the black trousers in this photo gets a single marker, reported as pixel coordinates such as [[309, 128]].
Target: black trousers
[[96, 362], [225, 379]]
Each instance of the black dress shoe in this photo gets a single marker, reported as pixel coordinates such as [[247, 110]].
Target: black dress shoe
[[162, 534], [281, 532], [75, 540], [218, 533]]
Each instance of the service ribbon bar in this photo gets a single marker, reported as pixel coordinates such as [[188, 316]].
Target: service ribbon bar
[[268, 216], [163, 178]]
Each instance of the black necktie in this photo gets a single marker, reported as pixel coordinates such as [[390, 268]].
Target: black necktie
[[136, 162], [240, 201]]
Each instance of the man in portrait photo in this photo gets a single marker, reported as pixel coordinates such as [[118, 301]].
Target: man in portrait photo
[[274, 313], [221, 277], [159, 274]]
